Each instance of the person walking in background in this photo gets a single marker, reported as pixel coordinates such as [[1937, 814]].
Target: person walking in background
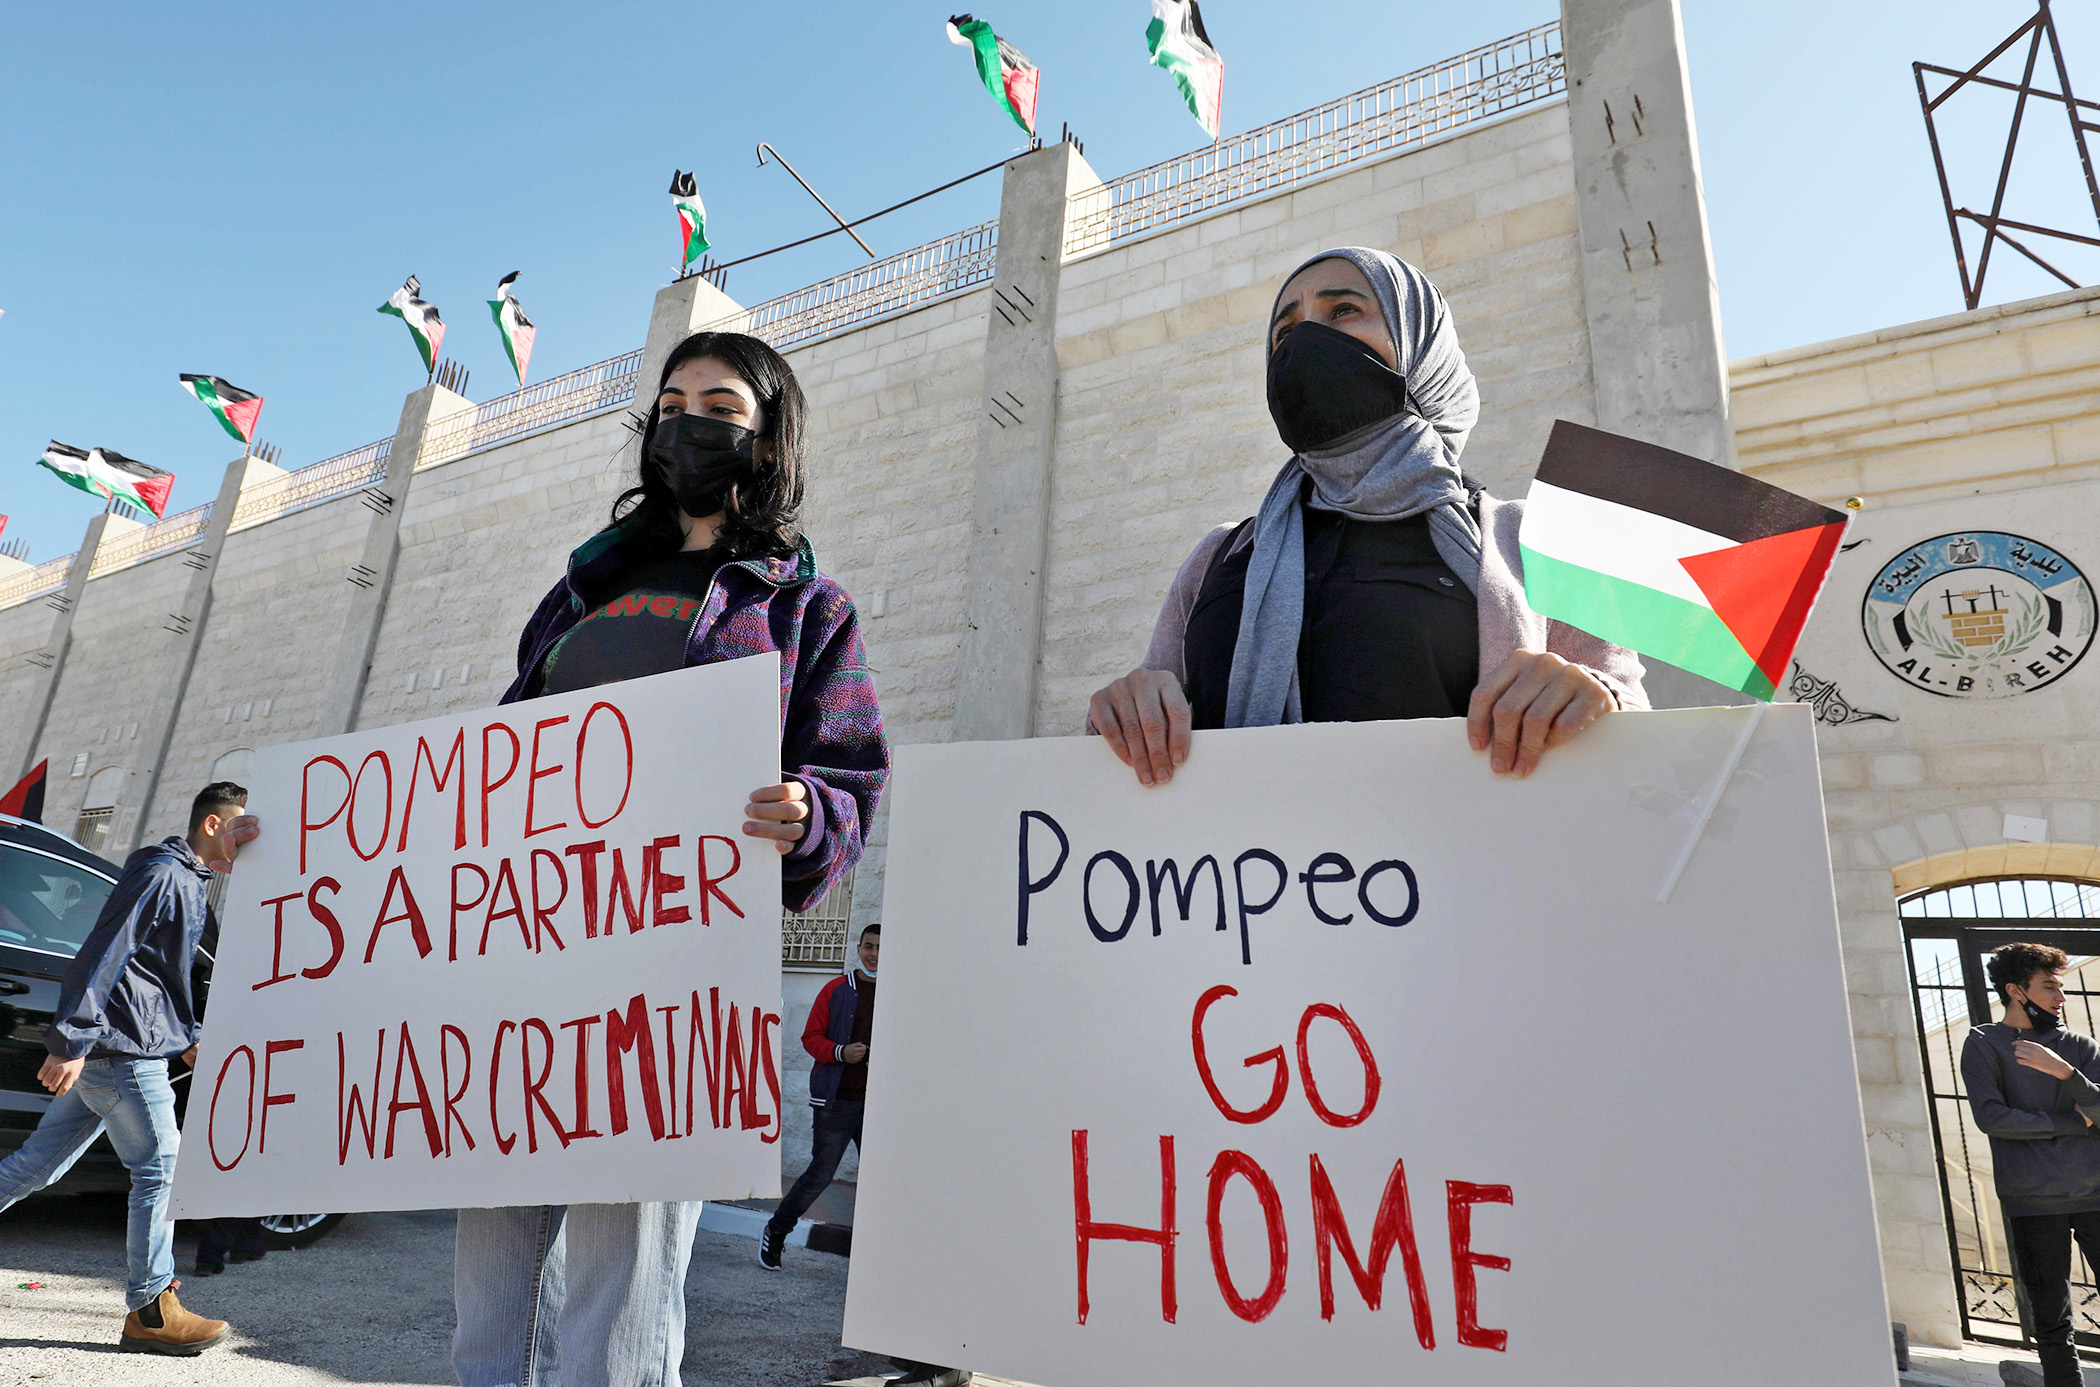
[[840, 1026], [839, 1036], [2031, 1086], [124, 1010]]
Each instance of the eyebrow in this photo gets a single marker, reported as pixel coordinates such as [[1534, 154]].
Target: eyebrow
[[717, 390], [1344, 293]]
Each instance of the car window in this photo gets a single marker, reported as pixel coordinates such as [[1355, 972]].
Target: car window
[[47, 903]]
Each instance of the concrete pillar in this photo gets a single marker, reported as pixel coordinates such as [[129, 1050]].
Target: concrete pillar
[[1016, 441], [372, 576], [186, 623], [683, 307], [66, 601], [1647, 261]]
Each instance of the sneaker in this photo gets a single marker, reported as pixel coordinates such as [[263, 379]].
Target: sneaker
[[204, 1268], [172, 1330], [927, 1375], [770, 1243]]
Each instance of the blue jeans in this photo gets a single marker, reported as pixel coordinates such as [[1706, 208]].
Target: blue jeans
[[831, 1127], [572, 1295], [132, 1099]]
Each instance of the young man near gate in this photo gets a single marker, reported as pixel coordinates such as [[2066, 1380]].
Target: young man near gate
[[2031, 1086], [840, 1029], [124, 1010]]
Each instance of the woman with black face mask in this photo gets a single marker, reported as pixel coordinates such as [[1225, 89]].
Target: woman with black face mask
[[1375, 582], [703, 561]]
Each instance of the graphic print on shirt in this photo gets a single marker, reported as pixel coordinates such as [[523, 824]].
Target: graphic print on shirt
[[641, 631]]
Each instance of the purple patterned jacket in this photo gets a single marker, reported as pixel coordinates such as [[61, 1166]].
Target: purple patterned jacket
[[831, 729]]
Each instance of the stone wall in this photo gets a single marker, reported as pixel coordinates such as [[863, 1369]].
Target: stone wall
[[1981, 421]]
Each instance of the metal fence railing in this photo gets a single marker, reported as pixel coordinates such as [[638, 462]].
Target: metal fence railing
[[558, 399], [902, 281], [178, 531], [309, 486], [816, 939], [31, 583], [1381, 120]]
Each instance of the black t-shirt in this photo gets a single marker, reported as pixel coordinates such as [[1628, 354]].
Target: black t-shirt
[[1389, 630], [642, 630]]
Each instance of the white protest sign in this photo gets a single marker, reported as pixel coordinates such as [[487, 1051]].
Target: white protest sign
[[1339, 1059], [519, 956]]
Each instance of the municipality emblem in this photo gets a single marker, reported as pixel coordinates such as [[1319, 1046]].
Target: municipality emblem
[[1979, 615]]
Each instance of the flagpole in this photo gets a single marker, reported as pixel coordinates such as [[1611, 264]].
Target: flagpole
[[1713, 800]]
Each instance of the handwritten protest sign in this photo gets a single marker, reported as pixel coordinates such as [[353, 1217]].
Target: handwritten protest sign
[[1339, 1059], [519, 956]]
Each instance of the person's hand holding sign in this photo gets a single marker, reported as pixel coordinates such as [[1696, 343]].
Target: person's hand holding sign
[[226, 841], [778, 812], [1536, 700]]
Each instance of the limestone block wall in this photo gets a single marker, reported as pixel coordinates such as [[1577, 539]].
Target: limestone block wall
[[1982, 421], [277, 610], [1163, 426], [23, 630]]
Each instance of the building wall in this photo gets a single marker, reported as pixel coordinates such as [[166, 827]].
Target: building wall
[[1982, 421]]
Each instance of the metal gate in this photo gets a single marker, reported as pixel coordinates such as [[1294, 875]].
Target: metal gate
[[1948, 935]]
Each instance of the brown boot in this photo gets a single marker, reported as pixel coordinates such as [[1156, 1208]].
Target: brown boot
[[178, 1331]]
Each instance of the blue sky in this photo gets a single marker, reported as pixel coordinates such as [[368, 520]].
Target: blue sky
[[237, 196]]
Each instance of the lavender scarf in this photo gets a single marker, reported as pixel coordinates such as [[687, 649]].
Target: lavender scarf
[[1407, 465]]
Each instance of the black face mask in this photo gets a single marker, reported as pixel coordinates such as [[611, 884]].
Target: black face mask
[[1325, 385], [701, 459], [2043, 1021]]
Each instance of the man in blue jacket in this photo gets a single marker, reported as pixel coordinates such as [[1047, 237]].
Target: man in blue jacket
[[124, 1010]]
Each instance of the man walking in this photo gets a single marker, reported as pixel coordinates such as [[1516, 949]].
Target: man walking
[[838, 1034], [2031, 1087], [124, 1010]]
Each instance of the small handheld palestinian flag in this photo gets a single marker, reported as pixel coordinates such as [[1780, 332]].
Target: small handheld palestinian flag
[[107, 473], [26, 800], [1178, 44], [235, 409], [517, 329], [422, 318], [1678, 559], [1005, 69], [692, 216]]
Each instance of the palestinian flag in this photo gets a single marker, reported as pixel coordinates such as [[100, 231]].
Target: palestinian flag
[[422, 318], [517, 329], [692, 216], [1178, 44], [233, 407], [1676, 558], [1007, 73], [104, 472], [26, 800]]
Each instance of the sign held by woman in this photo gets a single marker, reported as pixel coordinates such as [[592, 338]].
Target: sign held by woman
[[519, 956]]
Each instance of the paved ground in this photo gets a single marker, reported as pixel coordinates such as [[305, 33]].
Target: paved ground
[[371, 1303], [1975, 1365]]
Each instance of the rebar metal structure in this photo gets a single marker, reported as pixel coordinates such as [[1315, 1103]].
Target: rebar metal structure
[[1996, 225]]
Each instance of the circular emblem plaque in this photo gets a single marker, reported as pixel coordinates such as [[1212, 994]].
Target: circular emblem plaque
[[1979, 615]]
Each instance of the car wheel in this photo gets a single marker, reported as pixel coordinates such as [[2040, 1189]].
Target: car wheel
[[281, 1231]]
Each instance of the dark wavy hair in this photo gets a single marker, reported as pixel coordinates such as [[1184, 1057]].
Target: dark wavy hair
[[760, 519], [2014, 965]]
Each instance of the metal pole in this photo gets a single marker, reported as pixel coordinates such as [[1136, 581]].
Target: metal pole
[[764, 149]]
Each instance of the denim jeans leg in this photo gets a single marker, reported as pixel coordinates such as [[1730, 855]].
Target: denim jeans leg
[[833, 1126], [66, 1130], [507, 1295], [141, 1122], [623, 1320]]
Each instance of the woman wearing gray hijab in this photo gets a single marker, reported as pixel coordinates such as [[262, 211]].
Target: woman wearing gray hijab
[[1374, 582]]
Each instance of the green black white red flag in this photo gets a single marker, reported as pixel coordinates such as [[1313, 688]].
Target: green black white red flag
[[422, 318], [1683, 561], [109, 474], [26, 799], [517, 329], [1005, 69], [1177, 43], [235, 409], [692, 216]]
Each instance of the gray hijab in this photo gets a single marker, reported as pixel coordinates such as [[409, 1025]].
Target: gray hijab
[[1405, 466]]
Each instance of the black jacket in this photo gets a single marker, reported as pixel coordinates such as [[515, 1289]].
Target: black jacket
[[127, 992], [2044, 1157]]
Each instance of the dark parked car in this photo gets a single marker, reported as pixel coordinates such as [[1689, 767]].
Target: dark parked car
[[51, 890]]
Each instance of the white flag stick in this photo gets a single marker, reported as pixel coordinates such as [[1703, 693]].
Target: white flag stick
[[1713, 800]]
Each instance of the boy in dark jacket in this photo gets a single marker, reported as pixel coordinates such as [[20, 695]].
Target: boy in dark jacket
[[2031, 1087], [124, 1010]]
